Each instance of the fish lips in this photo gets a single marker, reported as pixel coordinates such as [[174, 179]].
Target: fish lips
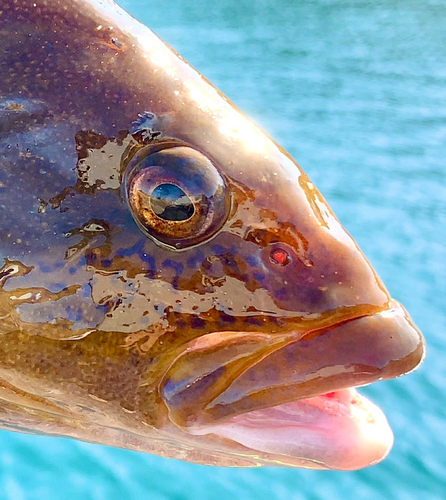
[[221, 375]]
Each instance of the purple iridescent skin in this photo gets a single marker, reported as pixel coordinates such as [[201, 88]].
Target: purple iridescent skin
[[171, 280]]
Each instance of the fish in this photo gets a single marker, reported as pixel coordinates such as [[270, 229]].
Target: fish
[[171, 280]]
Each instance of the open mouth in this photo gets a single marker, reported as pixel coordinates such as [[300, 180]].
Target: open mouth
[[340, 430], [296, 402]]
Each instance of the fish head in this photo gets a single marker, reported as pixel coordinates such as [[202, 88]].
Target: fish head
[[172, 281]]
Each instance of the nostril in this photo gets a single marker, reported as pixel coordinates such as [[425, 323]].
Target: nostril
[[280, 257]]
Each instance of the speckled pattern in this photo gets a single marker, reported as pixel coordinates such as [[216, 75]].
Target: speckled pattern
[[98, 315]]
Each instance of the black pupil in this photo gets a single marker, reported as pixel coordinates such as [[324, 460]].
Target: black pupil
[[171, 203]]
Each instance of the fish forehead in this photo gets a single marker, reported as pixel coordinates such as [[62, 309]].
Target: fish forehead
[[118, 72], [86, 73], [93, 308], [93, 74]]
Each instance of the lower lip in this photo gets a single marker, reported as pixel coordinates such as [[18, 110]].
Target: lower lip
[[338, 430]]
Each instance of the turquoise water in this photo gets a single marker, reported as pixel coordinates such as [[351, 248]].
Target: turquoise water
[[356, 91]]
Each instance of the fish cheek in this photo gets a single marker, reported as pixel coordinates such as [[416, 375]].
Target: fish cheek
[[329, 276], [280, 283], [304, 257]]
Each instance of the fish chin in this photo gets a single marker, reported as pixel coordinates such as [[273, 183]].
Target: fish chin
[[340, 430]]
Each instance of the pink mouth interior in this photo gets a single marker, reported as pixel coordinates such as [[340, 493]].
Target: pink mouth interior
[[338, 430]]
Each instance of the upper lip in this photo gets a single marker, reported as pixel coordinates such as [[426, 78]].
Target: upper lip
[[230, 373]]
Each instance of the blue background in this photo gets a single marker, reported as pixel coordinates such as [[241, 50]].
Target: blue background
[[356, 91]]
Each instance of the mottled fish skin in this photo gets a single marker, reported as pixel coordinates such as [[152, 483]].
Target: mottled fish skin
[[112, 335]]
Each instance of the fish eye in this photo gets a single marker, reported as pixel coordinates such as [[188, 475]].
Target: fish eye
[[176, 196], [170, 202]]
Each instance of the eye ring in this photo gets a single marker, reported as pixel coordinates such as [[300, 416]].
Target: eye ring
[[176, 196]]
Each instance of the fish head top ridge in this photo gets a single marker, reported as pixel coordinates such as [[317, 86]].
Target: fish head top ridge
[[171, 280]]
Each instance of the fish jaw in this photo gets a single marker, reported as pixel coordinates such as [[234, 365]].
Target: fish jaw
[[312, 416], [340, 430]]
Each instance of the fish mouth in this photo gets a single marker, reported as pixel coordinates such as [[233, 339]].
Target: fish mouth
[[295, 401], [339, 430]]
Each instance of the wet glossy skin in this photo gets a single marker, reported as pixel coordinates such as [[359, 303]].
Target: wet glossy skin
[[118, 333]]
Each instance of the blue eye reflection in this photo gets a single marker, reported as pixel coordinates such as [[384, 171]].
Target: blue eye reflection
[[171, 203]]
